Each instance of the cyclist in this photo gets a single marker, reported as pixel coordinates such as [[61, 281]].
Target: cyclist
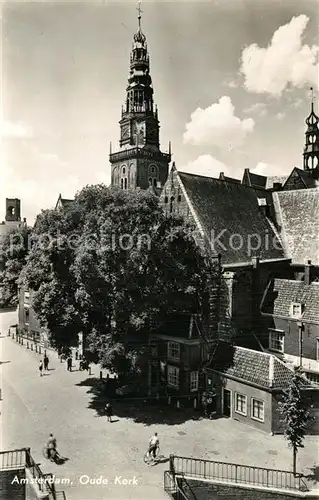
[[51, 447], [153, 446]]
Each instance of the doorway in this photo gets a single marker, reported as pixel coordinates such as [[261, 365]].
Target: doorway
[[226, 402]]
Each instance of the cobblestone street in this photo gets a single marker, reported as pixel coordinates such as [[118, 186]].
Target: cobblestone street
[[32, 407]]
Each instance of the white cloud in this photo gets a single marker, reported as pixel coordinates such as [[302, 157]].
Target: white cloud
[[259, 108], [209, 166], [280, 115], [205, 165], [269, 169], [217, 125], [297, 103], [12, 130], [286, 61]]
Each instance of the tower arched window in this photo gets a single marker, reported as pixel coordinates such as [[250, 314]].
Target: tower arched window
[[153, 175], [171, 205], [124, 181]]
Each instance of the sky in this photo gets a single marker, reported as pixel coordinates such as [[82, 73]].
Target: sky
[[231, 80]]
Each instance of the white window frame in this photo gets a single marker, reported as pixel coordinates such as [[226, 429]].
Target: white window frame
[[193, 381], [317, 349], [280, 333], [293, 305], [252, 410], [173, 373], [171, 346], [26, 322], [244, 412]]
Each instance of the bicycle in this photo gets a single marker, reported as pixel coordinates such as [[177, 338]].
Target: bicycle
[[56, 457], [149, 458]]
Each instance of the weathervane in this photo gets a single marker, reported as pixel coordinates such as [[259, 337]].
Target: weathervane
[[139, 10]]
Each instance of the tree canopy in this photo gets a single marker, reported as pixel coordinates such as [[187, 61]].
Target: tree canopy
[[13, 253], [295, 415], [111, 265]]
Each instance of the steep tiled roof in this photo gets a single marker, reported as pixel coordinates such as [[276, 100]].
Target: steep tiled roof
[[255, 367], [230, 216], [281, 293], [255, 180], [275, 178], [306, 177], [298, 215], [63, 202], [223, 177]]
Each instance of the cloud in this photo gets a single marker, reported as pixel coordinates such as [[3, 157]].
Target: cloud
[[209, 166], [217, 125], [259, 108], [286, 61], [280, 115], [269, 169], [10, 130], [205, 165]]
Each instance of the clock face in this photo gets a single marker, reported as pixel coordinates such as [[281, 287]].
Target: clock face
[[125, 131]]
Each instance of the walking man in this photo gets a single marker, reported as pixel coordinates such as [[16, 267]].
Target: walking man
[[109, 412], [69, 364], [46, 362], [40, 368]]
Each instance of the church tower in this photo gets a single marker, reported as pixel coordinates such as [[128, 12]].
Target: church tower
[[311, 149], [139, 161]]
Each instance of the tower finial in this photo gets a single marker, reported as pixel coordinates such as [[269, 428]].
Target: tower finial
[[139, 10], [312, 97]]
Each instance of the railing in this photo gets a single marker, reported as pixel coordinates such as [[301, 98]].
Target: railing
[[235, 473], [22, 458], [44, 482], [13, 459]]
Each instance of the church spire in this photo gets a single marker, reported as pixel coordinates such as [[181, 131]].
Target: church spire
[[139, 162], [311, 149]]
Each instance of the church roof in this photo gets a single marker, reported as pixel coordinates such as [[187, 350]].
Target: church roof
[[231, 218], [259, 368], [254, 180], [281, 293], [298, 215], [272, 179], [63, 202]]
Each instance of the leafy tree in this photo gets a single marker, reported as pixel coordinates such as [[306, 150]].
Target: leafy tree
[[295, 415], [13, 253], [114, 267]]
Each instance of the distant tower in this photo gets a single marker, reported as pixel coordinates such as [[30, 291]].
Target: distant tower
[[13, 211], [139, 162], [311, 149]]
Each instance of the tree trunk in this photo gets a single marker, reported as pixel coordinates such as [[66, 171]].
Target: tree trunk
[[294, 466]]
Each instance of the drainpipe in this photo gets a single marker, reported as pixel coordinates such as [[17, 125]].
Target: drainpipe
[[301, 329]]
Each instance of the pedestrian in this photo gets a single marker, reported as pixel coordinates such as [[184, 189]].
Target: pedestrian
[[40, 368], [109, 412], [69, 364], [46, 362]]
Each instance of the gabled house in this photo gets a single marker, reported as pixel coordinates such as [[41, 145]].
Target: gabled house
[[63, 203], [291, 312], [248, 385], [177, 352]]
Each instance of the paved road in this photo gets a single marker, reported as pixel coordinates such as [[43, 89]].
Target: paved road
[[32, 407]]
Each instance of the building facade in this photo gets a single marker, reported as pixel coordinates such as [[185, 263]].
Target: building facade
[[139, 162]]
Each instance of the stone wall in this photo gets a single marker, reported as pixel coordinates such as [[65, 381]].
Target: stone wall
[[10, 486]]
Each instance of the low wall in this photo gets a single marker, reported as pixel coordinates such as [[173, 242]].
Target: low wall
[[11, 486]]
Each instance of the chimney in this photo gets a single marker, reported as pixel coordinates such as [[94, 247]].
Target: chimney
[[255, 260], [308, 267], [277, 186], [221, 176], [271, 371]]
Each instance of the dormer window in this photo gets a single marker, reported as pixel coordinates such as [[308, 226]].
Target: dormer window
[[262, 202], [296, 310]]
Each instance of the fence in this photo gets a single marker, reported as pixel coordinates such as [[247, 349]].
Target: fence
[[235, 473], [22, 458]]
